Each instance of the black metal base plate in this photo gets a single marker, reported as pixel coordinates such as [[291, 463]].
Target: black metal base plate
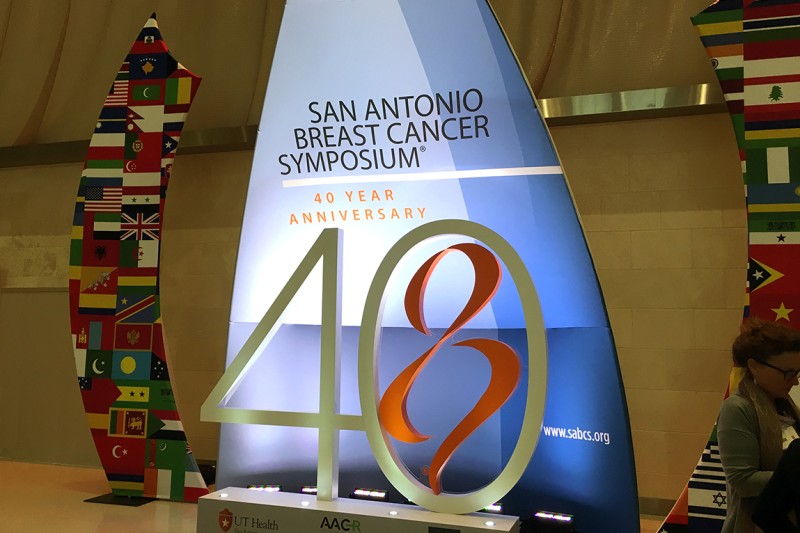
[[112, 499]]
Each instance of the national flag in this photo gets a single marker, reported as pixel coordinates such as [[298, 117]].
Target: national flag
[[151, 66], [161, 396], [771, 92], [160, 483], [146, 92], [133, 337], [141, 198], [112, 120], [120, 455], [780, 259], [127, 422], [138, 254], [103, 199], [137, 304], [781, 290], [170, 454], [140, 227], [96, 244], [98, 363], [707, 492], [774, 222], [149, 40], [778, 164], [141, 145], [98, 280], [137, 394], [98, 286], [118, 94], [81, 332], [786, 237], [178, 90], [171, 430]]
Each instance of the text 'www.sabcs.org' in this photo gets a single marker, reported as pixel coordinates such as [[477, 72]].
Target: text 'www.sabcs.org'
[[577, 434]]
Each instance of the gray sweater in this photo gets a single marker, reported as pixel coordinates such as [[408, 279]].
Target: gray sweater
[[739, 450]]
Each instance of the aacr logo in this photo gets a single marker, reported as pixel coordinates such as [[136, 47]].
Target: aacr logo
[[340, 525]]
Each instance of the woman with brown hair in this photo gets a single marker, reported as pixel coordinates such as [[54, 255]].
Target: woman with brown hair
[[756, 424]]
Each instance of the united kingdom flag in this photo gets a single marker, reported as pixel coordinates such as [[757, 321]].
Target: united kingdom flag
[[140, 227]]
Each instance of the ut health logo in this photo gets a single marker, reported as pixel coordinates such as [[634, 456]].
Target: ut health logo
[[225, 520]]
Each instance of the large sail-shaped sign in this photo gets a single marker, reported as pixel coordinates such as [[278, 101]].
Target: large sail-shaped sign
[[408, 125]]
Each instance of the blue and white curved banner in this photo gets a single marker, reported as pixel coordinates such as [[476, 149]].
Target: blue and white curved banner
[[382, 116]]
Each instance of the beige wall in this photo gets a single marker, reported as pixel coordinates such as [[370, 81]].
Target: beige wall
[[661, 202], [662, 205]]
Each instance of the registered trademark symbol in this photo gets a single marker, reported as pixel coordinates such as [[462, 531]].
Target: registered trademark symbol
[[422, 148]]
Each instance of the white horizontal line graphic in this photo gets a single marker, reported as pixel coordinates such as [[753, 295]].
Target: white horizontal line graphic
[[424, 176]]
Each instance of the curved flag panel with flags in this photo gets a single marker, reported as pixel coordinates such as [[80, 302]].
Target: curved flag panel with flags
[[754, 48], [117, 333], [384, 117]]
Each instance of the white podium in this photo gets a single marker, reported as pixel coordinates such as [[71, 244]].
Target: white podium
[[238, 510]]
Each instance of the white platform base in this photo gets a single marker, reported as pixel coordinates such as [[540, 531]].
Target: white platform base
[[237, 510]]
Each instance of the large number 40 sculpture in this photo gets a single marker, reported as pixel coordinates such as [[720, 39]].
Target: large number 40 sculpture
[[376, 418]]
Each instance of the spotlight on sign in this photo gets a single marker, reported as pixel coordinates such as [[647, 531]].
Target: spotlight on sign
[[546, 521], [265, 488], [369, 494]]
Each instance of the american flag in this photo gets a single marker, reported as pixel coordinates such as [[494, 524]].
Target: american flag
[[103, 199], [118, 95]]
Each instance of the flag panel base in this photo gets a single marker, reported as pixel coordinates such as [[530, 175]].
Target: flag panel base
[[237, 510], [113, 499]]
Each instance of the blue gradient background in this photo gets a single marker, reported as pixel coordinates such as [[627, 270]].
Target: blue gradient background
[[443, 45]]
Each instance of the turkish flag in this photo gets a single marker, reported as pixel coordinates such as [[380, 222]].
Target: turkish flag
[[120, 455]]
